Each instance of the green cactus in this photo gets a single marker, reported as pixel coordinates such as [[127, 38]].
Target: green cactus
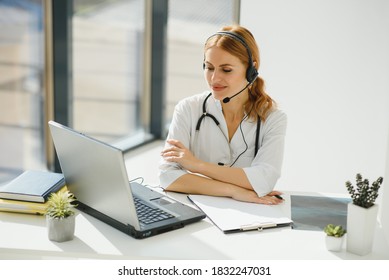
[[336, 231], [363, 194]]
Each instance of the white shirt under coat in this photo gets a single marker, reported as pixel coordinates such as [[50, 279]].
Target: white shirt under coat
[[211, 143]]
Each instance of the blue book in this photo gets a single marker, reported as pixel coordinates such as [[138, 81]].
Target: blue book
[[35, 186]]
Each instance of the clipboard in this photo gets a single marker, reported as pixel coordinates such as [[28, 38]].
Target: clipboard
[[232, 216]]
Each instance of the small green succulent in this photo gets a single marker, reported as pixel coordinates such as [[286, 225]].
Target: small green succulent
[[61, 205], [332, 230]]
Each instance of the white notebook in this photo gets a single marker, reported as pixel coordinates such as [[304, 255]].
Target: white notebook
[[230, 215]]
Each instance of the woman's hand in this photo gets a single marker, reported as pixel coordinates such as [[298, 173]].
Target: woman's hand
[[178, 153], [246, 195]]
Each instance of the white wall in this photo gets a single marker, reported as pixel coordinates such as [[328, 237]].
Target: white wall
[[326, 62], [384, 210]]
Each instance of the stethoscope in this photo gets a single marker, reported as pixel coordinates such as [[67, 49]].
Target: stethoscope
[[206, 114]]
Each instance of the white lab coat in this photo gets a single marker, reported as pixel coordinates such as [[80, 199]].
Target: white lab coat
[[211, 143]]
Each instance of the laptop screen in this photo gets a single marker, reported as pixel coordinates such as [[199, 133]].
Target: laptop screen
[[95, 172]]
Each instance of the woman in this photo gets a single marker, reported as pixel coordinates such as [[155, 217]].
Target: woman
[[230, 141]]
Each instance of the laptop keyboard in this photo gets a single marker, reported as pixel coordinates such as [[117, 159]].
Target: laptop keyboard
[[148, 215]]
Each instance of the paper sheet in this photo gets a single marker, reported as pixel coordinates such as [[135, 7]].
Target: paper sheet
[[229, 214]]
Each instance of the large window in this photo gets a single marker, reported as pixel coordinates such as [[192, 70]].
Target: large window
[[115, 61]]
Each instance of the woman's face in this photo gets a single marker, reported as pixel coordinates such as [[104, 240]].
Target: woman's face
[[225, 73]]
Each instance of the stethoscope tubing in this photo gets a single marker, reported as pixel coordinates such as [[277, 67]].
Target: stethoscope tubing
[[206, 114]]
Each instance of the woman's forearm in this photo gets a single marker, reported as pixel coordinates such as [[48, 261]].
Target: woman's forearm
[[195, 184], [231, 175]]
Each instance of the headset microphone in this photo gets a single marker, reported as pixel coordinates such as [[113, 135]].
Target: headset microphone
[[227, 99]]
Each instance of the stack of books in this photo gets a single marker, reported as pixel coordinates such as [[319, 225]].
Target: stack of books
[[28, 193]]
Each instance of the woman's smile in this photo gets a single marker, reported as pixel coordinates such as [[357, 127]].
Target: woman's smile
[[218, 87]]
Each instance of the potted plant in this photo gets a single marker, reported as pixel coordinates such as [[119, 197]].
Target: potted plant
[[362, 214], [334, 237], [60, 216]]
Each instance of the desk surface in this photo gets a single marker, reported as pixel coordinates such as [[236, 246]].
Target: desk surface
[[24, 236]]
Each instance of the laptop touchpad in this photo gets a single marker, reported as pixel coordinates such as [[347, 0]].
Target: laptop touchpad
[[163, 201]]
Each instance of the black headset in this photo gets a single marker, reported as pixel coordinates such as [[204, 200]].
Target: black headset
[[251, 72]]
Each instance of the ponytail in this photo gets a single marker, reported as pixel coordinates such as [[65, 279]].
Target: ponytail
[[259, 104]]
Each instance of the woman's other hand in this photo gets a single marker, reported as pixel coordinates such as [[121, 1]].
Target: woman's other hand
[[178, 153]]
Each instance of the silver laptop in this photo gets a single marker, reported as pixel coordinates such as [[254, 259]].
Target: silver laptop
[[95, 172]]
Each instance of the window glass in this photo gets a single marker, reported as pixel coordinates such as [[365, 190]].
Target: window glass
[[21, 90], [107, 67]]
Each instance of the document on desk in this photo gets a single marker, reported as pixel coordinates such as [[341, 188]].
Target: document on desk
[[231, 216]]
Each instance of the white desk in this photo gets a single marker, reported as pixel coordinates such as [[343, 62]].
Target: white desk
[[24, 236]]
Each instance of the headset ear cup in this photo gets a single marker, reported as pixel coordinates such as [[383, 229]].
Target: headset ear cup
[[251, 74]]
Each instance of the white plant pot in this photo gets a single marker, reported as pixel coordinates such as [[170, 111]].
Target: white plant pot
[[361, 224], [334, 243], [60, 230]]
